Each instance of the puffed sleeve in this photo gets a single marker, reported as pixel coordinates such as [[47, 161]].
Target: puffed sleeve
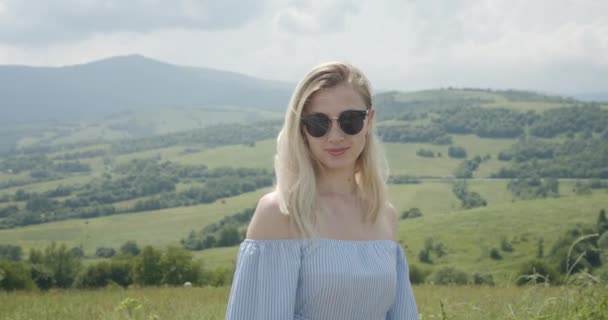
[[404, 307], [265, 280]]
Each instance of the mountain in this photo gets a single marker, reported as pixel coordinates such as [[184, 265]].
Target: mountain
[[133, 83], [593, 96]]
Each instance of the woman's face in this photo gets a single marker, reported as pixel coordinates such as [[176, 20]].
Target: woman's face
[[337, 149]]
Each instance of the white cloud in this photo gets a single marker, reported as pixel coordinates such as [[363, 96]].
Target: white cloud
[[544, 45], [314, 17], [43, 22]]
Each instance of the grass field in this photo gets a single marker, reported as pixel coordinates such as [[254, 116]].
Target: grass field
[[468, 234], [496, 99], [259, 156], [158, 228], [49, 185], [22, 176], [401, 157], [209, 303]]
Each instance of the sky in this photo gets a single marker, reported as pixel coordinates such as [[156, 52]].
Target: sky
[[553, 46]]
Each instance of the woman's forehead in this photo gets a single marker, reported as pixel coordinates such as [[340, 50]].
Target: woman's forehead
[[335, 99]]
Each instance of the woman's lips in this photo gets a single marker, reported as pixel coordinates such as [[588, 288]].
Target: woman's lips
[[336, 151]]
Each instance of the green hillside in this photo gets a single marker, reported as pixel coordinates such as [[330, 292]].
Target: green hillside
[[468, 235], [155, 176], [157, 228]]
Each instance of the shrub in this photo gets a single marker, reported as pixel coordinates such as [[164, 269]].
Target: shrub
[[425, 153], [147, 269], [576, 251], [77, 252], [602, 242], [15, 276], [42, 276], [105, 252], [495, 254], [505, 245], [218, 277], [418, 274], [178, 267], [411, 213], [425, 256], [56, 266], [121, 271], [10, 252], [130, 247], [94, 276], [536, 271], [457, 152], [450, 275], [483, 279]]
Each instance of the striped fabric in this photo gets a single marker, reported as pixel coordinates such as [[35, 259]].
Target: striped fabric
[[321, 279]]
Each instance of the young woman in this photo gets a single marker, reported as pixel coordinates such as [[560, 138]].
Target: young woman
[[323, 245]]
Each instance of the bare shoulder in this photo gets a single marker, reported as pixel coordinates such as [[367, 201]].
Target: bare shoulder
[[268, 222]]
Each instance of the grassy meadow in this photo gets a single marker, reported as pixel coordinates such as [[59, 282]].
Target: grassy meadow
[[208, 303], [467, 235], [157, 228], [441, 216]]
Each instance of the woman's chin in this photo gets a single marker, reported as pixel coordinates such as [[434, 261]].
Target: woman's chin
[[338, 163]]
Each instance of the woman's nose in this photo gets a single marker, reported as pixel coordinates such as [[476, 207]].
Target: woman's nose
[[335, 132]]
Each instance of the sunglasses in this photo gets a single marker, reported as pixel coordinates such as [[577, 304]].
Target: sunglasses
[[351, 122]]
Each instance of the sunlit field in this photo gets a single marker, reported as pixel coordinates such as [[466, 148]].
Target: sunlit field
[[209, 303]]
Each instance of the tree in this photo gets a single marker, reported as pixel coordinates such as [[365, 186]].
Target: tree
[[229, 236], [148, 270], [178, 267], [63, 263], [576, 250], [42, 276], [94, 276], [121, 271]]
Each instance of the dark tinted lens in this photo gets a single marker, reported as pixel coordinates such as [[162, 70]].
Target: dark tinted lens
[[351, 121], [316, 124]]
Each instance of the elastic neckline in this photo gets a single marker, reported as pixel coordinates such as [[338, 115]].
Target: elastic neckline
[[362, 241]]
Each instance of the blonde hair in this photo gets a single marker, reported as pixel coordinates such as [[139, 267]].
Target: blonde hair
[[294, 167]]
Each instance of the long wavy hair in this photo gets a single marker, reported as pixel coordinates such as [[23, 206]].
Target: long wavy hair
[[295, 167]]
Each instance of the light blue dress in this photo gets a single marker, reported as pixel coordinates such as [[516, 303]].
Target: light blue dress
[[321, 279]]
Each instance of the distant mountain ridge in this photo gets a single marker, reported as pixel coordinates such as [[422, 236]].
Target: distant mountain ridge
[[133, 83], [593, 96]]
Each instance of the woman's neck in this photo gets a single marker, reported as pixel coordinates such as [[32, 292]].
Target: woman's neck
[[337, 182]]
